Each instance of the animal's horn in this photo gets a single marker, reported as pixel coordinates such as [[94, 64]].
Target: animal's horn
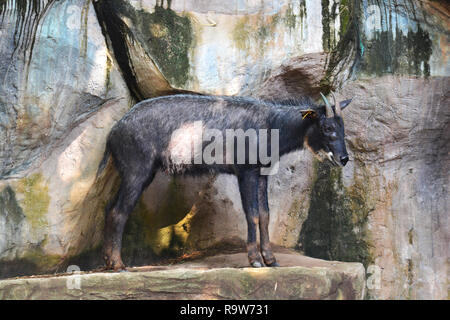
[[328, 108], [337, 105]]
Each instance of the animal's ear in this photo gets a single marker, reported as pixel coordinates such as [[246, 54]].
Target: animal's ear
[[311, 114], [345, 103]]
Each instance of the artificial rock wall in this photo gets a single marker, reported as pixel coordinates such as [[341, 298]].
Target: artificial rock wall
[[70, 69]]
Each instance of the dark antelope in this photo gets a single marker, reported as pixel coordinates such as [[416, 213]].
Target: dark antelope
[[146, 138]]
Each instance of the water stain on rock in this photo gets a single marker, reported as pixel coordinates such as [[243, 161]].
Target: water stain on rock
[[165, 36], [398, 53], [336, 227]]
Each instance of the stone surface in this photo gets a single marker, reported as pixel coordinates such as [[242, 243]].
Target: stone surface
[[56, 73], [398, 181], [216, 277], [59, 96], [233, 49], [207, 46], [70, 74], [397, 170]]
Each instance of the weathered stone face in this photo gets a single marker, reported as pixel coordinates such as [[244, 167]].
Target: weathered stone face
[[55, 74], [208, 47], [62, 91], [387, 204], [59, 96]]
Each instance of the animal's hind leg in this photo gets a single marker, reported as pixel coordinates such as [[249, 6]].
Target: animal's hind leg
[[117, 216], [248, 187]]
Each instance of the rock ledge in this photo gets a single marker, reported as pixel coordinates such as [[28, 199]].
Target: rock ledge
[[300, 278]]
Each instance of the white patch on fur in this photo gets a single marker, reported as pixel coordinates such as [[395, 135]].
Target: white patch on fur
[[185, 146]]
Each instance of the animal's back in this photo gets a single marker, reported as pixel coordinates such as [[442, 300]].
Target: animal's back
[[165, 128], [163, 115], [182, 108]]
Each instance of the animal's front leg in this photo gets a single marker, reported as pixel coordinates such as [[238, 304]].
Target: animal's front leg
[[266, 249], [248, 187]]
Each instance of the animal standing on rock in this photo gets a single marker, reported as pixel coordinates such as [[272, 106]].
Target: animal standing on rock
[[244, 137]]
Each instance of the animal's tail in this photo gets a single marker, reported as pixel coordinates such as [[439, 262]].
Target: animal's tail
[[104, 161]]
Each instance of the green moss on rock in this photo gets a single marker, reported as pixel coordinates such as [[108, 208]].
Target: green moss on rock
[[43, 262], [253, 31], [169, 40], [393, 52], [33, 261], [150, 235], [165, 35], [342, 52], [290, 19], [30, 205], [241, 33], [344, 17], [35, 200], [336, 227], [135, 249], [328, 17], [386, 51]]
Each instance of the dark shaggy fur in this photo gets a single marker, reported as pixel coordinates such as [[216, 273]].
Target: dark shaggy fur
[[141, 144]]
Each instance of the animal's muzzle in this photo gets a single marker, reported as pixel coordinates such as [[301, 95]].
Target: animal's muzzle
[[344, 160]]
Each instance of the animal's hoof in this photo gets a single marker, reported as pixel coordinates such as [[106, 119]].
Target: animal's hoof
[[115, 265], [120, 267], [256, 264], [273, 264]]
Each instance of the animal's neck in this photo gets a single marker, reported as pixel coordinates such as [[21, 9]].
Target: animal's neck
[[292, 128]]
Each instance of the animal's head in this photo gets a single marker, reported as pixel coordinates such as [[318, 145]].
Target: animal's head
[[326, 136]]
